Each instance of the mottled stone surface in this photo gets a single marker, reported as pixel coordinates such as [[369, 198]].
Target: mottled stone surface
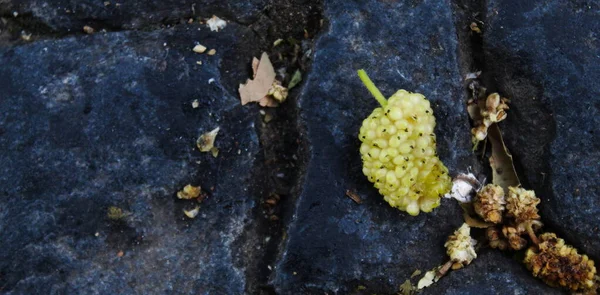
[[335, 245], [546, 58], [106, 120], [491, 273], [89, 122]]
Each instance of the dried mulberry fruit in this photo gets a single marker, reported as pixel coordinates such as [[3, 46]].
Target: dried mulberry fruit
[[489, 203], [496, 238], [461, 247], [495, 109], [522, 205], [399, 151], [559, 264], [485, 113], [515, 241]]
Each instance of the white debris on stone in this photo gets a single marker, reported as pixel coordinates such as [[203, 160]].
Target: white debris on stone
[[464, 186], [215, 23], [428, 279]]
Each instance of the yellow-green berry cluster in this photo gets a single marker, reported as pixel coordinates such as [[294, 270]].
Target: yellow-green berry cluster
[[399, 153]]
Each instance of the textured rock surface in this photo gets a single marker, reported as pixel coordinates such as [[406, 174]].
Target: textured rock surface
[[491, 273], [335, 245], [545, 57], [89, 122], [106, 120], [68, 15]]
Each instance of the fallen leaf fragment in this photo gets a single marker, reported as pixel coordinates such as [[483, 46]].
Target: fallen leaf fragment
[[215, 23], [255, 62], [189, 192], [415, 273], [428, 279], [470, 220], [296, 78], [503, 169], [120, 254], [192, 213], [278, 92], [277, 42], [88, 30], [354, 196], [256, 90], [115, 213], [475, 28], [214, 151], [267, 117], [206, 141], [26, 36], [212, 52], [407, 288], [268, 101]]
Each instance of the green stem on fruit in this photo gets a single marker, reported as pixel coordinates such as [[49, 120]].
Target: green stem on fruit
[[372, 88]]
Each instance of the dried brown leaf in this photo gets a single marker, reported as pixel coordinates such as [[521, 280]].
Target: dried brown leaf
[[255, 63], [354, 196], [475, 28], [268, 101], [470, 219], [256, 90], [192, 213], [474, 112], [189, 192], [407, 288], [206, 141], [415, 273], [503, 169]]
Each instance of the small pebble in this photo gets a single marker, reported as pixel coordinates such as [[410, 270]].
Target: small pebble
[[88, 30], [199, 49]]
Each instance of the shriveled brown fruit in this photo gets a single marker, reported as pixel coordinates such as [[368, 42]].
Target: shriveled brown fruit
[[489, 203], [559, 264], [513, 235], [522, 204], [496, 238]]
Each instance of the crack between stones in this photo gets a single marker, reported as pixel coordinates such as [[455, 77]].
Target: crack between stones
[[470, 44], [279, 170], [27, 23]]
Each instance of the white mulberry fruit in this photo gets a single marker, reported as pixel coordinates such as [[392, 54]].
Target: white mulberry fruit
[[399, 151]]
